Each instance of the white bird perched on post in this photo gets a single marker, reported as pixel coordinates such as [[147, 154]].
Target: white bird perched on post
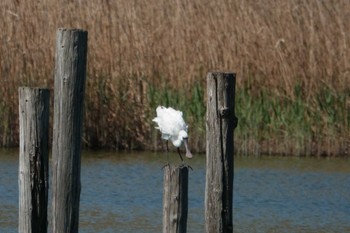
[[173, 127]]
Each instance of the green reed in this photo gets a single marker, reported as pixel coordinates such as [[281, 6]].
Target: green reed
[[269, 123]]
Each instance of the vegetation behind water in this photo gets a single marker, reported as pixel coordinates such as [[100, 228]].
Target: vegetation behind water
[[291, 59]]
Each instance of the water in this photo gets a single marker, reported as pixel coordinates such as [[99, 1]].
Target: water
[[122, 192]]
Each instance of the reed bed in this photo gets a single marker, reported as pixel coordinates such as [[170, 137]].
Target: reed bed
[[291, 58]]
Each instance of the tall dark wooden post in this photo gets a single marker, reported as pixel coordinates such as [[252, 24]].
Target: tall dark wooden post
[[175, 199], [33, 175], [221, 121], [70, 75]]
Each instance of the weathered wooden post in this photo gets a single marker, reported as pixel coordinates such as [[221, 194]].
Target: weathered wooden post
[[221, 121], [175, 199], [33, 176], [70, 75]]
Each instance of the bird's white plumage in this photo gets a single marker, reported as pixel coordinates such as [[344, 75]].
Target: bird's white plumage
[[173, 127], [171, 124]]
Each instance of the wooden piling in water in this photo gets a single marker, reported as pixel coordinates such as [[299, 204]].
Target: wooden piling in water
[[175, 199], [70, 76], [221, 121], [33, 176]]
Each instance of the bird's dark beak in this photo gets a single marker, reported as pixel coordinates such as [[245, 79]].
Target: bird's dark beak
[[188, 152]]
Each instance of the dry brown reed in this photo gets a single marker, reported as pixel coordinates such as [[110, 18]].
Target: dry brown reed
[[171, 44]]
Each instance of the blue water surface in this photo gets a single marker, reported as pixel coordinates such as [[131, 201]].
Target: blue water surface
[[122, 192]]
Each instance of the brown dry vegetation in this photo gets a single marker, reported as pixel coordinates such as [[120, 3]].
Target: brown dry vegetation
[[281, 50]]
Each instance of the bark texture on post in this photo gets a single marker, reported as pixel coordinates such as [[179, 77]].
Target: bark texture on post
[[70, 76], [34, 104], [175, 199], [221, 121]]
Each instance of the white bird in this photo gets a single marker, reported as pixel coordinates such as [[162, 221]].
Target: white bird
[[173, 127]]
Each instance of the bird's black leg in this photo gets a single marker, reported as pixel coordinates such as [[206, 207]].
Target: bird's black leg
[[183, 162], [178, 151], [167, 152], [167, 155]]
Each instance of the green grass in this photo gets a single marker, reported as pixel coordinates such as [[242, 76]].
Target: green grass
[[277, 124], [269, 123]]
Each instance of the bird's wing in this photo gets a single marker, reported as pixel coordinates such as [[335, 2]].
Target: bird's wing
[[162, 123], [163, 127], [177, 119], [169, 121]]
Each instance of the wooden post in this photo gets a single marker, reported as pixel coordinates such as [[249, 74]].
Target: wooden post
[[175, 199], [33, 176], [70, 75], [221, 121]]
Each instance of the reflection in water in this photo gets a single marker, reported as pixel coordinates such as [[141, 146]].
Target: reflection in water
[[122, 192]]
